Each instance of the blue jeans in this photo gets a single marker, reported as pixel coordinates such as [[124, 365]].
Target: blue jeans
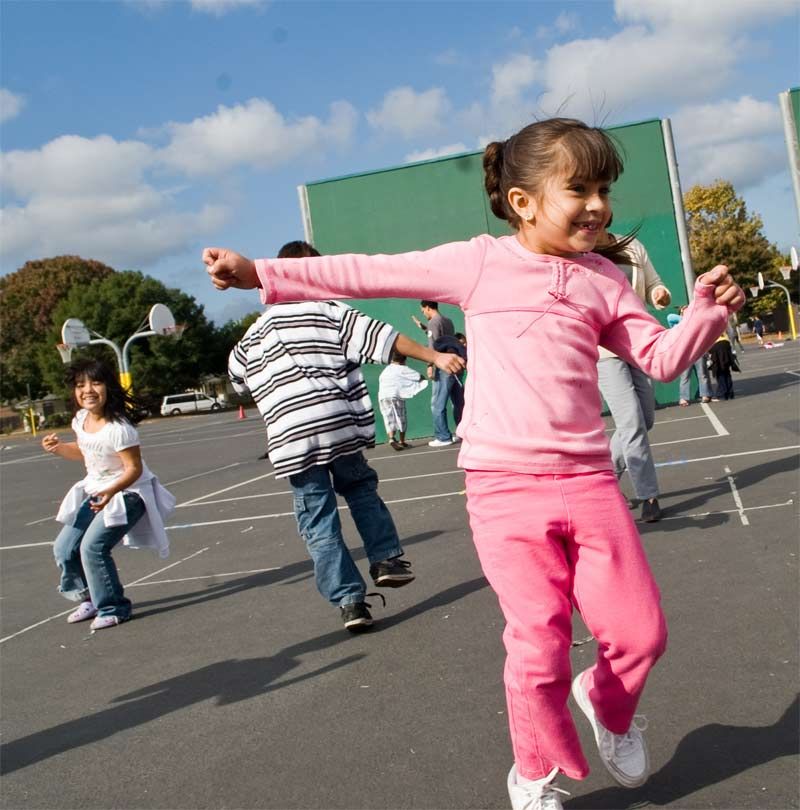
[[337, 576], [699, 366], [83, 553], [445, 386]]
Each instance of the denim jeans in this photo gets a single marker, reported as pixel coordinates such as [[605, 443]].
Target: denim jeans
[[445, 386], [337, 576], [699, 366], [83, 553]]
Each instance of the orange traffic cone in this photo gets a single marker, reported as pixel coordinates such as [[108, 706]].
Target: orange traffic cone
[[780, 335], [241, 412]]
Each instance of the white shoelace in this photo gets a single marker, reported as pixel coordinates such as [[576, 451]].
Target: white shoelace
[[543, 796], [613, 746]]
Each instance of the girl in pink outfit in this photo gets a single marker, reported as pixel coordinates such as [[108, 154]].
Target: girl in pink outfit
[[550, 524]]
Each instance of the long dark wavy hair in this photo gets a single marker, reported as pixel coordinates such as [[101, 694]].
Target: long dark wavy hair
[[120, 404]]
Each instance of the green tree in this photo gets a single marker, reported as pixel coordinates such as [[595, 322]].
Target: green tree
[[27, 300], [722, 231], [116, 308]]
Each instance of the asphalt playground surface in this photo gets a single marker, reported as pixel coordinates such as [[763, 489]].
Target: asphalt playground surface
[[236, 686]]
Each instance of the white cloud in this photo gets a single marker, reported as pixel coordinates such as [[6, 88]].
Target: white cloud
[[594, 78], [710, 15], [745, 163], [511, 77], [220, 7], [91, 197], [435, 152], [11, 104], [409, 113], [254, 134], [726, 121]]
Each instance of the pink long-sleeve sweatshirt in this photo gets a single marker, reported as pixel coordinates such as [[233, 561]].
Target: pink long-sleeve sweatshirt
[[533, 325]]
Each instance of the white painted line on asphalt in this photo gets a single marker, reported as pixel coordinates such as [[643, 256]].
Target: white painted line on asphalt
[[793, 373], [683, 441], [714, 419], [291, 514], [27, 545], [226, 489], [205, 576], [149, 447], [69, 610], [728, 455], [736, 497], [38, 624], [41, 520], [167, 567], [728, 511], [200, 475]]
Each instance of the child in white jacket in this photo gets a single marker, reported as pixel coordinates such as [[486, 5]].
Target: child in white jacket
[[396, 384]]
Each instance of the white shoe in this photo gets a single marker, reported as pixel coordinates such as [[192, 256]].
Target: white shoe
[[440, 443], [539, 795], [624, 755]]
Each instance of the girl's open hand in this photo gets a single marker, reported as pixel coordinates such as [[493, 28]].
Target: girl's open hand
[[50, 442], [726, 290], [230, 269]]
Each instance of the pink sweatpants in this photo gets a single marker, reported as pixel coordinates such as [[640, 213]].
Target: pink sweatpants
[[547, 542]]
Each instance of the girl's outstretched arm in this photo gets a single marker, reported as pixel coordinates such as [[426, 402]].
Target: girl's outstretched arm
[[664, 353], [51, 443], [447, 274]]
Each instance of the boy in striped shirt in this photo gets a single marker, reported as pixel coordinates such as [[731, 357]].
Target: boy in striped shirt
[[301, 363]]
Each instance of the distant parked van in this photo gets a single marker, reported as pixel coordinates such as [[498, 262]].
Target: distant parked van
[[192, 402]]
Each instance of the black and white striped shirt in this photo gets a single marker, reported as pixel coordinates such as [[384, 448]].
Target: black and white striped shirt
[[301, 363]]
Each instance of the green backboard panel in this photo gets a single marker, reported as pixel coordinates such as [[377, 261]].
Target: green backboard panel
[[417, 206]]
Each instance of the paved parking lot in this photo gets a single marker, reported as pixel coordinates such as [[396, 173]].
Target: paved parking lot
[[236, 687]]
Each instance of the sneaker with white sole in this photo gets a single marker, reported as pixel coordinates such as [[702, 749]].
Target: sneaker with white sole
[[624, 755], [104, 622], [539, 795], [440, 443], [85, 611]]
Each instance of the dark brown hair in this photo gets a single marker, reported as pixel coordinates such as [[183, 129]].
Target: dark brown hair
[[297, 250], [541, 149]]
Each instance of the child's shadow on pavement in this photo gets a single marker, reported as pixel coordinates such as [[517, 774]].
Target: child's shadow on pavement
[[706, 756]]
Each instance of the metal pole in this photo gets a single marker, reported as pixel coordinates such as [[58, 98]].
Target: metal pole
[[126, 378], [677, 203], [117, 353], [792, 147], [305, 213], [789, 305]]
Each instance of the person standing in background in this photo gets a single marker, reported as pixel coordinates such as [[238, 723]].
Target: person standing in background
[[443, 384]]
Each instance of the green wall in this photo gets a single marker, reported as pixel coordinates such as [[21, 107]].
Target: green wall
[[419, 205]]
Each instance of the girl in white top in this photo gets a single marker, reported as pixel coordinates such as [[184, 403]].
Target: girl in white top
[[119, 499]]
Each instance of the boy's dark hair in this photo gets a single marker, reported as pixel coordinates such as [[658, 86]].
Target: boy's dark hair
[[397, 357], [431, 304], [460, 336], [297, 250], [120, 404]]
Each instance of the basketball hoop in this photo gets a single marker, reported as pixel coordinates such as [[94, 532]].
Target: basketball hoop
[[65, 350], [174, 331]]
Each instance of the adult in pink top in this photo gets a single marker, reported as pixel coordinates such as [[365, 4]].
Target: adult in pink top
[[549, 522]]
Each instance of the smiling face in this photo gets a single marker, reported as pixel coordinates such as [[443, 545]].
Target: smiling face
[[91, 395], [568, 217]]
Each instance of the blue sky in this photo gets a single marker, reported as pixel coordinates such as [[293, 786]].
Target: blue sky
[[137, 132]]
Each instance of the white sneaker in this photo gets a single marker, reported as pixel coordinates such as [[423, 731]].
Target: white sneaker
[[624, 755], [440, 443], [539, 795]]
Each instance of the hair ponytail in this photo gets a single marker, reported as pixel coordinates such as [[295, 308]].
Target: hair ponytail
[[492, 178]]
